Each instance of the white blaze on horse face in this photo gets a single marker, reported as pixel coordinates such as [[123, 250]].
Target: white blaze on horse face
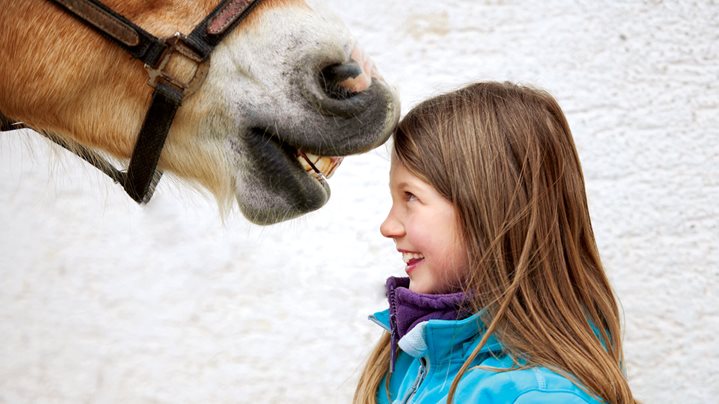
[[267, 101]]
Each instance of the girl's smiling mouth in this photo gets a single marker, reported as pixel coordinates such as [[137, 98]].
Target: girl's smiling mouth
[[412, 259]]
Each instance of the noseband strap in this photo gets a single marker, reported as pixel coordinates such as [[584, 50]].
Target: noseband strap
[[142, 175], [148, 48]]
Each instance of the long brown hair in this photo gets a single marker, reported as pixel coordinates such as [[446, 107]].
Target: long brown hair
[[503, 154]]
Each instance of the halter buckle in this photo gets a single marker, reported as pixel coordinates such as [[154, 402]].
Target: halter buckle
[[176, 46]]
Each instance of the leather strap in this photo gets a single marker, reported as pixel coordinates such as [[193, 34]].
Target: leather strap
[[142, 175], [221, 21], [146, 47], [83, 152], [165, 101], [123, 32]]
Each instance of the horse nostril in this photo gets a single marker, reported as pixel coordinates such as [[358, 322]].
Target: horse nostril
[[332, 76]]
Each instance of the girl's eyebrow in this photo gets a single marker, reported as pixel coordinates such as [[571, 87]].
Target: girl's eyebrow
[[402, 185], [398, 187], [414, 186]]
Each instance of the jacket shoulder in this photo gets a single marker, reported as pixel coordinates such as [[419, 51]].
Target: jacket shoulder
[[551, 397], [530, 385]]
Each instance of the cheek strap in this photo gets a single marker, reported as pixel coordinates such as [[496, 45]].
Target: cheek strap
[[142, 175]]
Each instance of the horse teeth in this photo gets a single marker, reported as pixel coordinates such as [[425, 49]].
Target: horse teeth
[[312, 157], [325, 165], [304, 163]]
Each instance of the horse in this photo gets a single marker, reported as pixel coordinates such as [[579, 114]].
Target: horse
[[287, 93]]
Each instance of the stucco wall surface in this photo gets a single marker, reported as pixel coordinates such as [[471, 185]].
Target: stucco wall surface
[[103, 301]]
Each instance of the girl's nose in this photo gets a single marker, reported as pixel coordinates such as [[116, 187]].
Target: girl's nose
[[391, 227]]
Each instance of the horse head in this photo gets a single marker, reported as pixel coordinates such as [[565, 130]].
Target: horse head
[[286, 94]]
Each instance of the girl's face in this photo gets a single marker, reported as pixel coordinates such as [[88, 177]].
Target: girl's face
[[424, 226]]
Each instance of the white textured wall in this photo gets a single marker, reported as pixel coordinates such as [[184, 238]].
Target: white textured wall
[[104, 301]]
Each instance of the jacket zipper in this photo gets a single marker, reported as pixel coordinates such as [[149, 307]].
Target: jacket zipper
[[421, 374]]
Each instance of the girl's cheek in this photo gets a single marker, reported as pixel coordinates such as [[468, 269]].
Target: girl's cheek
[[416, 236]]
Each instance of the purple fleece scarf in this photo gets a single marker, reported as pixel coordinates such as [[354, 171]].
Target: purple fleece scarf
[[407, 309]]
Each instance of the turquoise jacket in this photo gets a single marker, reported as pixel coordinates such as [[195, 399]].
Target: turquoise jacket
[[433, 351]]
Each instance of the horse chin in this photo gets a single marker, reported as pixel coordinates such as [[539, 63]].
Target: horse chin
[[270, 184]]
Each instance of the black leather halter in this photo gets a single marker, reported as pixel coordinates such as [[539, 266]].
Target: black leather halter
[[142, 175]]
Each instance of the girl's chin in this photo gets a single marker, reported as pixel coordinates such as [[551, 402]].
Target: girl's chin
[[417, 287], [420, 287]]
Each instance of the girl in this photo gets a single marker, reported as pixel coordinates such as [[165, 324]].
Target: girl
[[490, 215]]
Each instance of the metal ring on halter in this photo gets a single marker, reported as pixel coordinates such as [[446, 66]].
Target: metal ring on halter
[[176, 46]]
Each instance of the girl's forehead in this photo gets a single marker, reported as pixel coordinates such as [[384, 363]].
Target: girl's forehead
[[398, 171], [401, 176]]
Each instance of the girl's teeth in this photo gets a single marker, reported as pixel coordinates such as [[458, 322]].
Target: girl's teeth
[[407, 257]]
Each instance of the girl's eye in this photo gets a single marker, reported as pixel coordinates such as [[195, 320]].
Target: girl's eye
[[408, 196]]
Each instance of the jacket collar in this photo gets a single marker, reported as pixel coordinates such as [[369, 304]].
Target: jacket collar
[[408, 308], [442, 339]]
